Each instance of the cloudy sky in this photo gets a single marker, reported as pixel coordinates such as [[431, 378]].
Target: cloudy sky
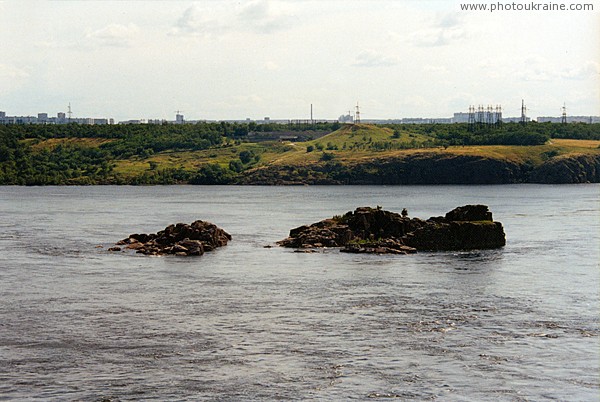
[[218, 59]]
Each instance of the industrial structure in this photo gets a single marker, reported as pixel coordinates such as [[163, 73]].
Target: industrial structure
[[483, 117], [61, 118], [476, 117]]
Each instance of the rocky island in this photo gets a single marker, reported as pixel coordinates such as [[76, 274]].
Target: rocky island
[[373, 230], [180, 239]]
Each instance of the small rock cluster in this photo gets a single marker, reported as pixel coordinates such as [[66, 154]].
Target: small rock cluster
[[375, 231], [180, 239]]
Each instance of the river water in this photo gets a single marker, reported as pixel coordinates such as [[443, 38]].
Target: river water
[[252, 323]]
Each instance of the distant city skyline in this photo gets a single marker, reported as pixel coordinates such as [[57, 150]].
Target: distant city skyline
[[493, 112], [223, 60]]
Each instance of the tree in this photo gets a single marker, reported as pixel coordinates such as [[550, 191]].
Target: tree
[[212, 174], [236, 166], [241, 131], [246, 156]]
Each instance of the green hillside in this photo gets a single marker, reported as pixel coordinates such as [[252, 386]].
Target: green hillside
[[220, 153]]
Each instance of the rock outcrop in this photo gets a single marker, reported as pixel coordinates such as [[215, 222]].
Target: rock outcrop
[[417, 168], [180, 239], [464, 228], [373, 230], [432, 168], [568, 169]]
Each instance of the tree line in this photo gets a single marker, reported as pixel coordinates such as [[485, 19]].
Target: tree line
[[531, 133]]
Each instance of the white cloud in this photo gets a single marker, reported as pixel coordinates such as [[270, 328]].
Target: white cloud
[[535, 74], [535, 68], [588, 70], [264, 16], [446, 29], [198, 22], [433, 37], [372, 58], [259, 16], [114, 35]]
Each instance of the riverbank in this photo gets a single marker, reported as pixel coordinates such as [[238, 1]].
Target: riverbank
[[352, 154], [435, 167]]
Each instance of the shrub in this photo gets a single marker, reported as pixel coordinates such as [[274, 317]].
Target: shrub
[[327, 156]]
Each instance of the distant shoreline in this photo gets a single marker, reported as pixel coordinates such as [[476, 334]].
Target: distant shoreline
[[329, 154]]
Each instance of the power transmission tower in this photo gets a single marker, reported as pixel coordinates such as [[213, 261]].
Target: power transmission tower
[[563, 119], [69, 112], [480, 116], [498, 115], [357, 117], [471, 118], [523, 112]]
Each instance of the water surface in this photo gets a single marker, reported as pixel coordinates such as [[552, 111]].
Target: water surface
[[252, 323]]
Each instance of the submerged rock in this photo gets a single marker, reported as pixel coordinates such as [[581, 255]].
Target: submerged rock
[[180, 239], [373, 230]]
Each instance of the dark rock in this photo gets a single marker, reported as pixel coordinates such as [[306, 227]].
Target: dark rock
[[438, 236], [114, 249], [142, 238], [568, 169], [135, 245], [180, 239], [375, 231], [470, 213]]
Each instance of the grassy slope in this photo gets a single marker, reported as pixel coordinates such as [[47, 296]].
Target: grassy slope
[[192, 160], [52, 143], [352, 143], [517, 154]]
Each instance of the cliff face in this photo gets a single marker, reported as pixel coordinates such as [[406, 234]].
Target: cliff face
[[434, 168], [437, 169], [568, 169]]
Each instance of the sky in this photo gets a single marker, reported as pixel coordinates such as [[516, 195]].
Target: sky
[[220, 59]]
